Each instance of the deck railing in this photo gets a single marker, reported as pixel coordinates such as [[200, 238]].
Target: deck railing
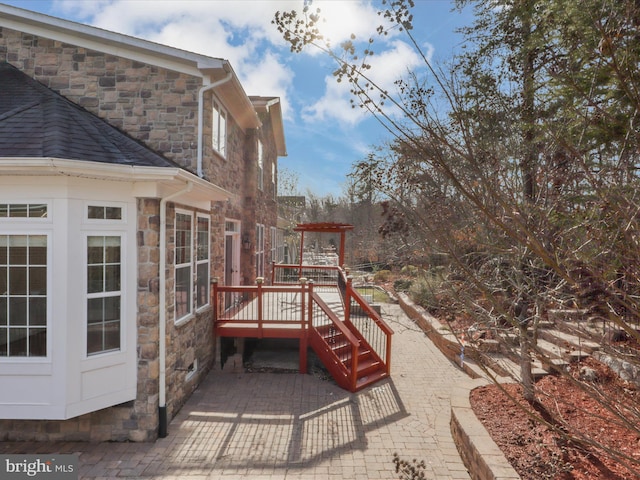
[[292, 307], [366, 321], [321, 275], [260, 305]]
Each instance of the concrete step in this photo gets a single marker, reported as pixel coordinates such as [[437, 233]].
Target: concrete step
[[568, 341], [512, 369]]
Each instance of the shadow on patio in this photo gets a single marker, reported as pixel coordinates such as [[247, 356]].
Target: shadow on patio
[[255, 421]]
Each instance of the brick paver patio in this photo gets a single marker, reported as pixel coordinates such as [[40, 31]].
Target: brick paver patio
[[292, 426]]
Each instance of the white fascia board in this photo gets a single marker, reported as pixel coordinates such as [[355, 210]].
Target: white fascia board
[[105, 41], [149, 182]]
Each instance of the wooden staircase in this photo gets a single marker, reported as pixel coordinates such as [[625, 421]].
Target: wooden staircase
[[337, 349]]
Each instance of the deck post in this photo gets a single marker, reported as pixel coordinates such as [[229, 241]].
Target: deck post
[[214, 300], [304, 334], [347, 299], [259, 282]]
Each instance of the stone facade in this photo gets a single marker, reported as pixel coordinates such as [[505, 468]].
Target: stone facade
[[158, 107]]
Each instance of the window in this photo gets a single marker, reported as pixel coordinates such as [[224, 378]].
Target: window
[[219, 129], [274, 244], [183, 259], [23, 295], [191, 257], [104, 213], [273, 181], [259, 250], [260, 166], [104, 295], [23, 210], [202, 262]]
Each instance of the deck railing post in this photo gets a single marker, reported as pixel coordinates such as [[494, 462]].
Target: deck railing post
[[304, 337], [310, 304], [214, 299], [259, 282], [347, 299]]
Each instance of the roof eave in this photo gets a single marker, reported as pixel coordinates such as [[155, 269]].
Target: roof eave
[[151, 182]]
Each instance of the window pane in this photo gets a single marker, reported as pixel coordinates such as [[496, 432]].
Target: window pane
[[202, 289], [17, 311], [94, 338], [95, 279], [95, 212], [37, 342], [113, 213], [18, 210], [17, 280], [112, 308], [37, 280], [4, 210], [95, 310], [4, 241], [18, 342], [37, 311], [4, 290], [112, 249], [183, 291], [112, 336], [3, 342], [18, 250], [37, 252], [4, 317], [112, 278], [203, 239], [38, 210]]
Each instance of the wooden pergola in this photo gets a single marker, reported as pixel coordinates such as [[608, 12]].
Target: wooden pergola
[[324, 227]]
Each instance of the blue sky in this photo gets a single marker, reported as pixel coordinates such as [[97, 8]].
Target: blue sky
[[324, 135]]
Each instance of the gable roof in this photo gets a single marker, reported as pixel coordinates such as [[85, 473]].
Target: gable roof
[[210, 69], [37, 122]]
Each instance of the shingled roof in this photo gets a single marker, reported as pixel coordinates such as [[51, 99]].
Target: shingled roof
[[37, 122]]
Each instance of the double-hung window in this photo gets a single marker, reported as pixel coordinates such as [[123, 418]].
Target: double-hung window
[[23, 295], [192, 265], [219, 129], [23, 282], [104, 293]]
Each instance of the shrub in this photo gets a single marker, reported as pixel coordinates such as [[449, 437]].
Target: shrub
[[382, 276], [402, 284]]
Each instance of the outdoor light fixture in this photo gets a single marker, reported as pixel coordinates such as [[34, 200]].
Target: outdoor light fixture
[[246, 244]]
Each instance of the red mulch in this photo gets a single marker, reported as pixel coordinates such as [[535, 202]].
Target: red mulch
[[537, 452]]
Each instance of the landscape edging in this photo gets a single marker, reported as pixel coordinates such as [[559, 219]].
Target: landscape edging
[[482, 457]]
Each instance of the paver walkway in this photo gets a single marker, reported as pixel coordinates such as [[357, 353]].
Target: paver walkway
[[292, 426]]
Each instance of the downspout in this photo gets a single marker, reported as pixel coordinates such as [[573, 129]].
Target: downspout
[[201, 113], [162, 312]]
